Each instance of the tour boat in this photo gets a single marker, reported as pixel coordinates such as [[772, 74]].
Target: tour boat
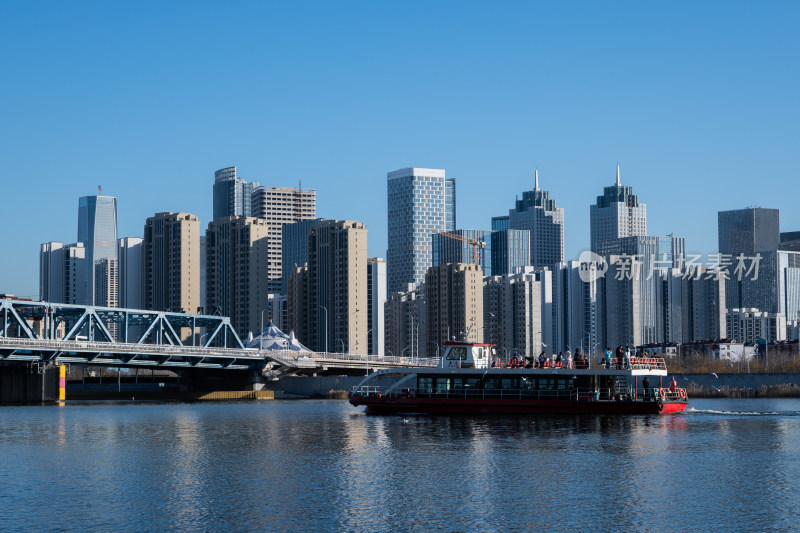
[[469, 381]]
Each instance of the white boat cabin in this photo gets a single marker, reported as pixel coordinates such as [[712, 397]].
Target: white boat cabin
[[467, 355]]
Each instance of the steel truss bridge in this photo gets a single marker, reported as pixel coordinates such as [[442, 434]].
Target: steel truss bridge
[[53, 333]]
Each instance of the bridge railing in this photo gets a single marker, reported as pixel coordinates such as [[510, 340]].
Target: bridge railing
[[128, 347], [286, 356]]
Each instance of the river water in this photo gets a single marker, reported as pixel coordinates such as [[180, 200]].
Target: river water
[[725, 465]]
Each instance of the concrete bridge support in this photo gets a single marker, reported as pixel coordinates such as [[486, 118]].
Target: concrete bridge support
[[195, 381], [29, 383]]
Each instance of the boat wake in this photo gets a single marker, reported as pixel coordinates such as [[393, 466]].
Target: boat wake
[[692, 410]]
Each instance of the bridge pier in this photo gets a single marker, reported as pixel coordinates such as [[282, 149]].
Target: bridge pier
[[194, 382], [29, 383]]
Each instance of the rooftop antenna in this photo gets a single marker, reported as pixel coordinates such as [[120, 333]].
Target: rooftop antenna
[[99, 191], [536, 185], [619, 183]]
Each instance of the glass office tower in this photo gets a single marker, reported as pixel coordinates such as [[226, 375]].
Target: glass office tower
[[232, 195], [420, 200], [97, 229]]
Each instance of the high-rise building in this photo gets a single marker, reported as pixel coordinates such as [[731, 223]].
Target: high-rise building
[[405, 318], [171, 262], [106, 281], [518, 312], [236, 271], [327, 299], [376, 301], [577, 307], [622, 310], [746, 235], [454, 302], [618, 213], [500, 223], [643, 260], [129, 252], [537, 213], [62, 273], [420, 200], [232, 194], [748, 325], [446, 249], [748, 231], [510, 250], [700, 292], [97, 229], [294, 247], [280, 206]]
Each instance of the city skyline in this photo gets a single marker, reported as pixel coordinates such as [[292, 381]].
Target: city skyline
[[700, 120]]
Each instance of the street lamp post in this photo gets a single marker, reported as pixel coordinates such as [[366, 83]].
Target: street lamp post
[[326, 326], [437, 347], [340, 340]]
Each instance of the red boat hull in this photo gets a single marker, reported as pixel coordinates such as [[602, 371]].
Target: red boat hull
[[505, 406]]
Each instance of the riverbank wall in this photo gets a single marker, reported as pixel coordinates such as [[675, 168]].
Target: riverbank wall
[[710, 385]]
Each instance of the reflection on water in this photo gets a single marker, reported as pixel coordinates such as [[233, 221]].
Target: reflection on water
[[326, 466]]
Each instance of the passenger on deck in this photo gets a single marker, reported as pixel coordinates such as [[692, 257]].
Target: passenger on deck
[[569, 358], [542, 359], [607, 357], [627, 357], [619, 353], [673, 386], [646, 387]]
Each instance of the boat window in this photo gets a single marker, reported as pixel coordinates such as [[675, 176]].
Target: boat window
[[442, 385], [457, 353], [509, 383], [480, 353], [425, 384], [561, 384], [545, 384]]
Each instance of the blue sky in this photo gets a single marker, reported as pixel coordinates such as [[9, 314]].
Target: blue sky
[[698, 101]]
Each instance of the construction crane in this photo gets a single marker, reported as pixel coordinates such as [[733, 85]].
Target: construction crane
[[476, 244]]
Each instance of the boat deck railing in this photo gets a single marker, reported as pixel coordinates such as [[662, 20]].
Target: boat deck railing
[[637, 363], [576, 394]]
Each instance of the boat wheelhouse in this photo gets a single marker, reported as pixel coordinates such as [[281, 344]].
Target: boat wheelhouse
[[469, 380]]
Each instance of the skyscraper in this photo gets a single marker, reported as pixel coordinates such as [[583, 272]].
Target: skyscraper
[[750, 233], [294, 248], [376, 302], [404, 315], [618, 213], [420, 200], [518, 312], [644, 260], [327, 300], [446, 249], [171, 262], [454, 302], [97, 229], [232, 195], [62, 273], [129, 252], [510, 251], [236, 271], [577, 307], [537, 213], [280, 206]]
